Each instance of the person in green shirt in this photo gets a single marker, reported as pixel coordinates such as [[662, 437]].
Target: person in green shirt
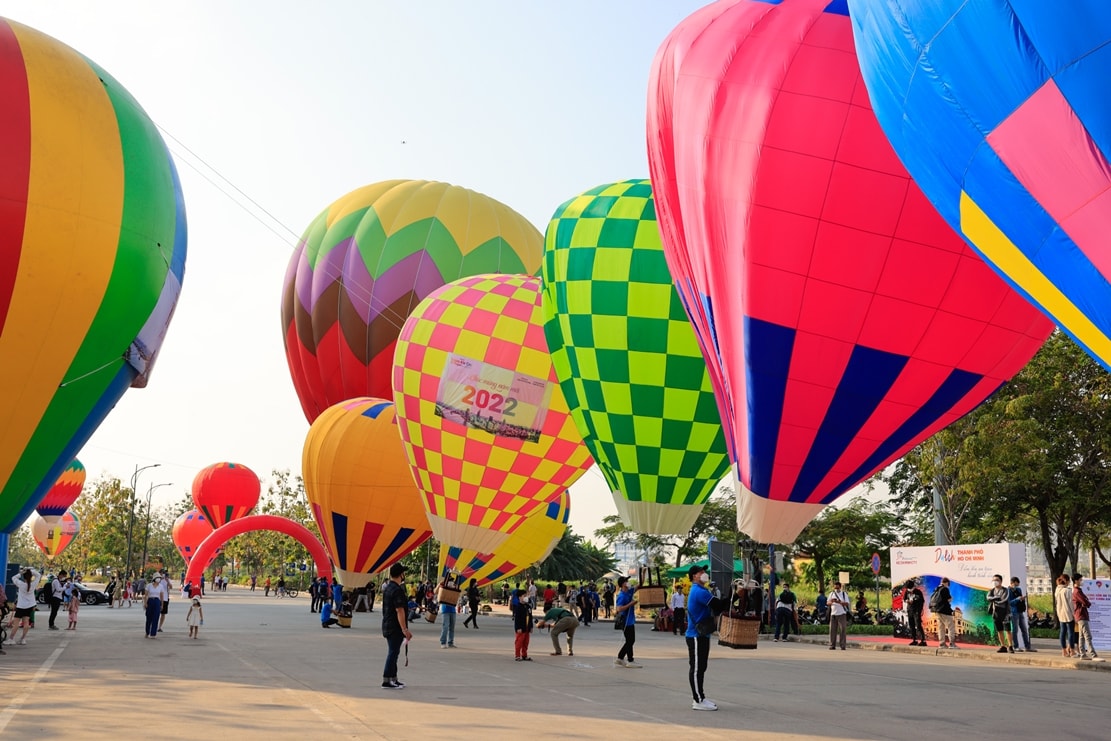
[[562, 621]]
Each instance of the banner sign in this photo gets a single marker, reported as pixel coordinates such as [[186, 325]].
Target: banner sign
[[970, 569], [1099, 614], [498, 400]]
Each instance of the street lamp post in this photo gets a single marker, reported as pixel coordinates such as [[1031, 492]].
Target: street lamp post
[[131, 522], [146, 536]]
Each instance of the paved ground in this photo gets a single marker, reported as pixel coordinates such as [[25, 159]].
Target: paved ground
[[264, 668]]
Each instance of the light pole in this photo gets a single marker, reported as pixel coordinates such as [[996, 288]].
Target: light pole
[[131, 522], [146, 536]]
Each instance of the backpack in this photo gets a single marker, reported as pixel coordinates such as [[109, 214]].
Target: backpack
[[935, 600]]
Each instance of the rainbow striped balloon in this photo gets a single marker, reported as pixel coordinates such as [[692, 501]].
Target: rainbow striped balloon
[[92, 255], [64, 492]]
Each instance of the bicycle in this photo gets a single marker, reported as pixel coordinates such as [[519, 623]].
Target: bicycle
[[290, 592]]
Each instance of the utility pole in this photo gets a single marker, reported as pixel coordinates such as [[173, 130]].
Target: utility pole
[[131, 522], [146, 537]]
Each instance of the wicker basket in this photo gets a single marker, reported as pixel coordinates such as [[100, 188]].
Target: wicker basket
[[344, 621], [651, 597], [448, 594], [736, 632]]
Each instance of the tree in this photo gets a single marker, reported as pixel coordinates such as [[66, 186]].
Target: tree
[[574, 559], [718, 520], [22, 550], [1034, 459], [845, 538]]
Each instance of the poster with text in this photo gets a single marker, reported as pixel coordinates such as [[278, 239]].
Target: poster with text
[[1099, 614], [498, 400], [970, 569]]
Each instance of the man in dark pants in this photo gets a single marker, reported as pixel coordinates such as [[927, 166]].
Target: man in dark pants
[[57, 589], [473, 598], [395, 626], [914, 602], [698, 645]]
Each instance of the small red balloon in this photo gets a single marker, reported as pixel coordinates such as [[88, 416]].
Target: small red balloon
[[189, 530], [226, 491]]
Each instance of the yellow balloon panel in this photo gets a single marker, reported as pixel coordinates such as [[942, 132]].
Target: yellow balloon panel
[[486, 428], [54, 533], [359, 485], [529, 544]]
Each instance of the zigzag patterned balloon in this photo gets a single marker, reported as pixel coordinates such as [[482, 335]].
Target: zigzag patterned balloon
[[367, 260]]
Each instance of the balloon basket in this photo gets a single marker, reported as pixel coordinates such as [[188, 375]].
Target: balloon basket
[[651, 597], [735, 632], [344, 621], [448, 595]]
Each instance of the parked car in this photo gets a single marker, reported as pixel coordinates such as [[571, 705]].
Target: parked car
[[89, 596]]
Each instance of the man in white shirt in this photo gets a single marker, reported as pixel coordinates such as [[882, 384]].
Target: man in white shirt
[[838, 616], [678, 605], [57, 595], [152, 601]]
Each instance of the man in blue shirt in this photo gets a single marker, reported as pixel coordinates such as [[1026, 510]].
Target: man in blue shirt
[[625, 616], [698, 642], [326, 619]]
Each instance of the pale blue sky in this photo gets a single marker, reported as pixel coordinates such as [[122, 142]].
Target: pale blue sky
[[297, 103]]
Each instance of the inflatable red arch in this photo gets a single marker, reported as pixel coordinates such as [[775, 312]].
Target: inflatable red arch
[[251, 523]]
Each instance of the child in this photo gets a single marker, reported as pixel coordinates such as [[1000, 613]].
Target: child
[[522, 626], [74, 604], [195, 618]]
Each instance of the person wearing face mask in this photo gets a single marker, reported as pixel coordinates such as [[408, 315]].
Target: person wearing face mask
[[999, 603], [838, 616], [698, 645]]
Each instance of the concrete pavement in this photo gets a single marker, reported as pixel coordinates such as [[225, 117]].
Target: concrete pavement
[[263, 668]]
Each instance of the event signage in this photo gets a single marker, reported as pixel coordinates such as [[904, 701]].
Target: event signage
[[487, 397], [1099, 614], [970, 569]]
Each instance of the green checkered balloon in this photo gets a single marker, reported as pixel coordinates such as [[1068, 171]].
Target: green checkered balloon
[[627, 360]]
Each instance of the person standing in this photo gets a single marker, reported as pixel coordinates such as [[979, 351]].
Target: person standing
[[395, 626], [942, 600], [152, 603], [1080, 605], [165, 610], [314, 595], [698, 645], [531, 596], [473, 598], [549, 598], [73, 607], [914, 602], [25, 584], [447, 630], [625, 616], [371, 590], [522, 626], [785, 612], [1062, 606], [254, 581], [1020, 621], [195, 618], [110, 590], [838, 616], [337, 593], [999, 604], [57, 594], [677, 603], [561, 620], [265, 586]]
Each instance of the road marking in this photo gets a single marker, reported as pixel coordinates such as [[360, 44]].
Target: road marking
[[17, 702]]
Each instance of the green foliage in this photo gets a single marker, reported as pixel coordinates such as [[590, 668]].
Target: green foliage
[[844, 539], [717, 520], [1034, 460], [575, 559], [22, 550]]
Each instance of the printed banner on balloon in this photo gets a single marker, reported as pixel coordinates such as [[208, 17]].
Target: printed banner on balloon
[[487, 397]]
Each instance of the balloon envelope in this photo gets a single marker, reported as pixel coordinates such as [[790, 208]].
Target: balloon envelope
[[487, 431], [225, 491], [627, 359], [526, 546], [843, 321], [999, 111], [364, 264], [64, 492], [189, 530], [93, 254], [362, 494], [54, 533]]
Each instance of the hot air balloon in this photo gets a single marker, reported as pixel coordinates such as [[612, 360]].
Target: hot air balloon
[[486, 429], [93, 235], [998, 109], [529, 544], [53, 538], [843, 322], [225, 491], [64, 492], [627, 360], [367, 260], [189, 531], [358, 482]]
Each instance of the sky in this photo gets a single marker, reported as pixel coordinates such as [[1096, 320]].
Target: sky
[[290, 105]]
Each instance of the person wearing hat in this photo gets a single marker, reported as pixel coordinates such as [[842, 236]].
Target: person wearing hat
[[698, 642], [395, 626], [562, 620], [152, 602]]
